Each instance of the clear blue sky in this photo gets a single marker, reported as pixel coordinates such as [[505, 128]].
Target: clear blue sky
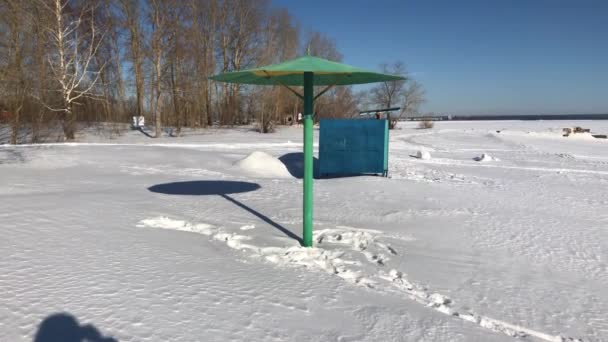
[[478, 57]]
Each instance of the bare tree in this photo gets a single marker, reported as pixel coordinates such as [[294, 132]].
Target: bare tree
[[344, 103], [203, 32], [387, 94], [39, 115], [280, 37], [319, 45], [114, 30], [56, 66], [413, 97], [71, 57], [408, 93], [159, 23], [13, 74], [133, 14], [178, 63], [337, 102]]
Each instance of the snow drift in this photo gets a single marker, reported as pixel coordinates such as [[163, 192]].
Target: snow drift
[[260, 164], [485, 158], [424, 155]]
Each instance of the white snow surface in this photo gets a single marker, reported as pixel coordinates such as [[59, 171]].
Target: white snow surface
[[176, 240], [262, 164]]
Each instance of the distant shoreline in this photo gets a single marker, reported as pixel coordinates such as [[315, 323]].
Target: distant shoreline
[[513, 117]]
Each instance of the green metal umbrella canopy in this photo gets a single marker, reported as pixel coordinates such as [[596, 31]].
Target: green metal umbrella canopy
[[291, 72], [307, 72]]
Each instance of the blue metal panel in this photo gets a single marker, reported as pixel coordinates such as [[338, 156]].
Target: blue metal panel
[[351, 147]]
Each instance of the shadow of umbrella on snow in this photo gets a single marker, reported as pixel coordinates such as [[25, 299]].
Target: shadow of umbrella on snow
[[223, 189]]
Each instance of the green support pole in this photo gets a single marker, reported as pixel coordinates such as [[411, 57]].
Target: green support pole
[[308, 160]]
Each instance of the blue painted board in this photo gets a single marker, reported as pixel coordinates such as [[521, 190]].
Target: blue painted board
[[353, 146]]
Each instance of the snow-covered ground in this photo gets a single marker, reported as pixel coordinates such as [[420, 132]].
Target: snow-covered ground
[[194, 238]]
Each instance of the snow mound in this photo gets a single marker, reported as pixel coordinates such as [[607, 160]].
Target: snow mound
[[424, 155], [261, 164], [484, 157]]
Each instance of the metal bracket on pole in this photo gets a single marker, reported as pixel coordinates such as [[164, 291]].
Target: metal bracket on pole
[[324, 91], [292, 90], [286, 86]]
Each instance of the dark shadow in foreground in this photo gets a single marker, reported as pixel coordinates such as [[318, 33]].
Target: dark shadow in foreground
[[204, 188], [223, 189], [294, 162], [63, 327]]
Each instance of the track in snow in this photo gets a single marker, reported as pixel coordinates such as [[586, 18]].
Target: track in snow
[[349, 250]]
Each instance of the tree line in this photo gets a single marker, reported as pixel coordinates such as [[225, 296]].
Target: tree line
[[68, 62]]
